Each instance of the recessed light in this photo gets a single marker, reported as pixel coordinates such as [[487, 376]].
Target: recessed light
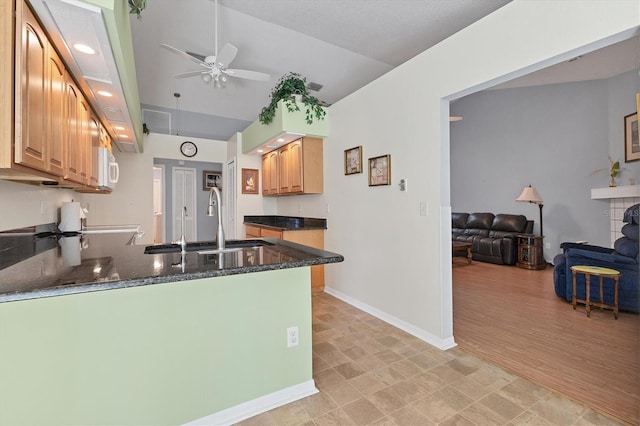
[[455, 118], [84, 49], [118, 127], [124, 136], [260, 151], [105, 93], [280, 140]]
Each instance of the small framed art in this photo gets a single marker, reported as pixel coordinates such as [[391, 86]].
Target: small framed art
[[250, 181], [353, 160], [211, 179], [380, 170], [631, 143]]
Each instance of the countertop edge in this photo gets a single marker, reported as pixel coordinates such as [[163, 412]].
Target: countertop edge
[[324, 257]]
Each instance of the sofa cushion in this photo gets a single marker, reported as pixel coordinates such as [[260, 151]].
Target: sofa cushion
[[631, 231], [632, 214], [480, 221], [626, 247], [509, 223], [459, 220]]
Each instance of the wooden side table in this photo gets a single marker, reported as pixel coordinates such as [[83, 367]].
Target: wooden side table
[[530, 252], [601, 273]]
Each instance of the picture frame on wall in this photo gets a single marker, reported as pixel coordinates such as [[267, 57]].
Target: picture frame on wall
[[631, 142], [380, 170], [211, 179], [353, 160], [250, 181]]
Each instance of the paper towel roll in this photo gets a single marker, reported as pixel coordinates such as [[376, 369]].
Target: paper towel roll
[[70, 216]]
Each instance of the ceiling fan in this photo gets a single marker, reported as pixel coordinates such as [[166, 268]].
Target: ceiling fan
[[215, 67]]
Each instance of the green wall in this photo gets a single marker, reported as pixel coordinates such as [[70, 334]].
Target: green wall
[[157, 354]]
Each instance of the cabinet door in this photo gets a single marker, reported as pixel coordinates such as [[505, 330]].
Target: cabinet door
[[30, 142], [295, 166], [56, 114], [252, 231], [266, 175], [92, 160], [84, 136], [72, 163], [284, 159], [270, 173]]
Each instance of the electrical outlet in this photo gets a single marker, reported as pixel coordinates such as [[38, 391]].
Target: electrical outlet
[[42, 210], [292, 336], [547, 245], [424, 208]]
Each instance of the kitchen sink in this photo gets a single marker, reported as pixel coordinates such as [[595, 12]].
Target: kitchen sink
[[206, 247]]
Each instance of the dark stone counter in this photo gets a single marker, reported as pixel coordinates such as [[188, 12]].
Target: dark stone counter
[[54, 265], [286, 222]]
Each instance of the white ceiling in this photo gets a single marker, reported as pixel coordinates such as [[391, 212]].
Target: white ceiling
[[340, 44]]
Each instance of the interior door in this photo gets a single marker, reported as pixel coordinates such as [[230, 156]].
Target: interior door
[[183, 194]]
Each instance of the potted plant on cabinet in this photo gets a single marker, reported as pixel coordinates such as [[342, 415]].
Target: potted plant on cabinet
[[292, 88]]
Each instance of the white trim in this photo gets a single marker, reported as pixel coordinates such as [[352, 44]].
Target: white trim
[[442, 344], [257, 406]]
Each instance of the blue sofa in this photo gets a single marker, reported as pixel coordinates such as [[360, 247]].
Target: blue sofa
[[624, 257]]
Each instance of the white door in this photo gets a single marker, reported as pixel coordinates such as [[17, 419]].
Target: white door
[[229, 215], [158, 204], [183, 195]]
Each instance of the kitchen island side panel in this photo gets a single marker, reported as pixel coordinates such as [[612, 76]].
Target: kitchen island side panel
[[162, 354]]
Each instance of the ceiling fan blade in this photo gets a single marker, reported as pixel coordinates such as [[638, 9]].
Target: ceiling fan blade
[[179, 52], [249, 75], [190, 74], [198, 56], [226, 55]]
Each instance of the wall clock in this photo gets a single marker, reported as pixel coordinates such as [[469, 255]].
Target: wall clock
[[188, 149]]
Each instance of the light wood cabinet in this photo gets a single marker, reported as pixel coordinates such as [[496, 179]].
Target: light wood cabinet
[[308, 237], [31, 123], [270, 173], [295, 168], [49, 131], [56, 114]]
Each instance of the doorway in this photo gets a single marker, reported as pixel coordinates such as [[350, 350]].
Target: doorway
[[158, 204]]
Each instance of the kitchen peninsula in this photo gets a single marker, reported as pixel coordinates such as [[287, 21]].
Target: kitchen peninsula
[[104, 333]]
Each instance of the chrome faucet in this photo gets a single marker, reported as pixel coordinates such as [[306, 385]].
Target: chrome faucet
[[220, 233]]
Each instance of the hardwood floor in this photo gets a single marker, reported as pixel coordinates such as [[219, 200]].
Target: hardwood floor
[[511, 317]]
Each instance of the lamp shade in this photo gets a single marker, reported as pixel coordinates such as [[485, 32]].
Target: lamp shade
[[529, 194]]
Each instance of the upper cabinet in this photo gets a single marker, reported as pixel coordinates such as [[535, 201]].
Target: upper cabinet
[[295, 168], [49, 130]]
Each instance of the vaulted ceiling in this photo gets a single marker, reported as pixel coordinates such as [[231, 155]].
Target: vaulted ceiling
[[339, 44]]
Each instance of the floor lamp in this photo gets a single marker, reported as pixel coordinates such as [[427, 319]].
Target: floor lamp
[[529, 194]]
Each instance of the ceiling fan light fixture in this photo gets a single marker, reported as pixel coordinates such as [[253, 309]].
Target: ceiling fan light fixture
[[206, 78]]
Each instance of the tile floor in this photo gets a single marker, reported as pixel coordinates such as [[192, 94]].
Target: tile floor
[[371, 373]]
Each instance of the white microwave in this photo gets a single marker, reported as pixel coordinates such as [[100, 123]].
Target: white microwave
[[108, 171]]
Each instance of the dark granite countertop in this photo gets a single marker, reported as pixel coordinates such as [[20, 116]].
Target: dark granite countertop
[[54, 265], [286, 222]]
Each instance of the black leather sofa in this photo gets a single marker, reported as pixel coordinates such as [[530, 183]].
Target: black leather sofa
[[492, 237]]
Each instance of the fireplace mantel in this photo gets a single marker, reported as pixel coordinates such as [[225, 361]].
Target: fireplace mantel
[[626, 191]]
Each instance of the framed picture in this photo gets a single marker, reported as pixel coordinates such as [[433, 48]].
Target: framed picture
[[353, 160], [211, 179], [631, 144], [380, 170], [250, 181]]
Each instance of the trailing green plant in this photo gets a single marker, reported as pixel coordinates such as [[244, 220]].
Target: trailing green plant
[[136, 7], [145, 129], [288, 86]]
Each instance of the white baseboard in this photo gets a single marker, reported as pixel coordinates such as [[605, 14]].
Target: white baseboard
[[257, 406], [439, 343]]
